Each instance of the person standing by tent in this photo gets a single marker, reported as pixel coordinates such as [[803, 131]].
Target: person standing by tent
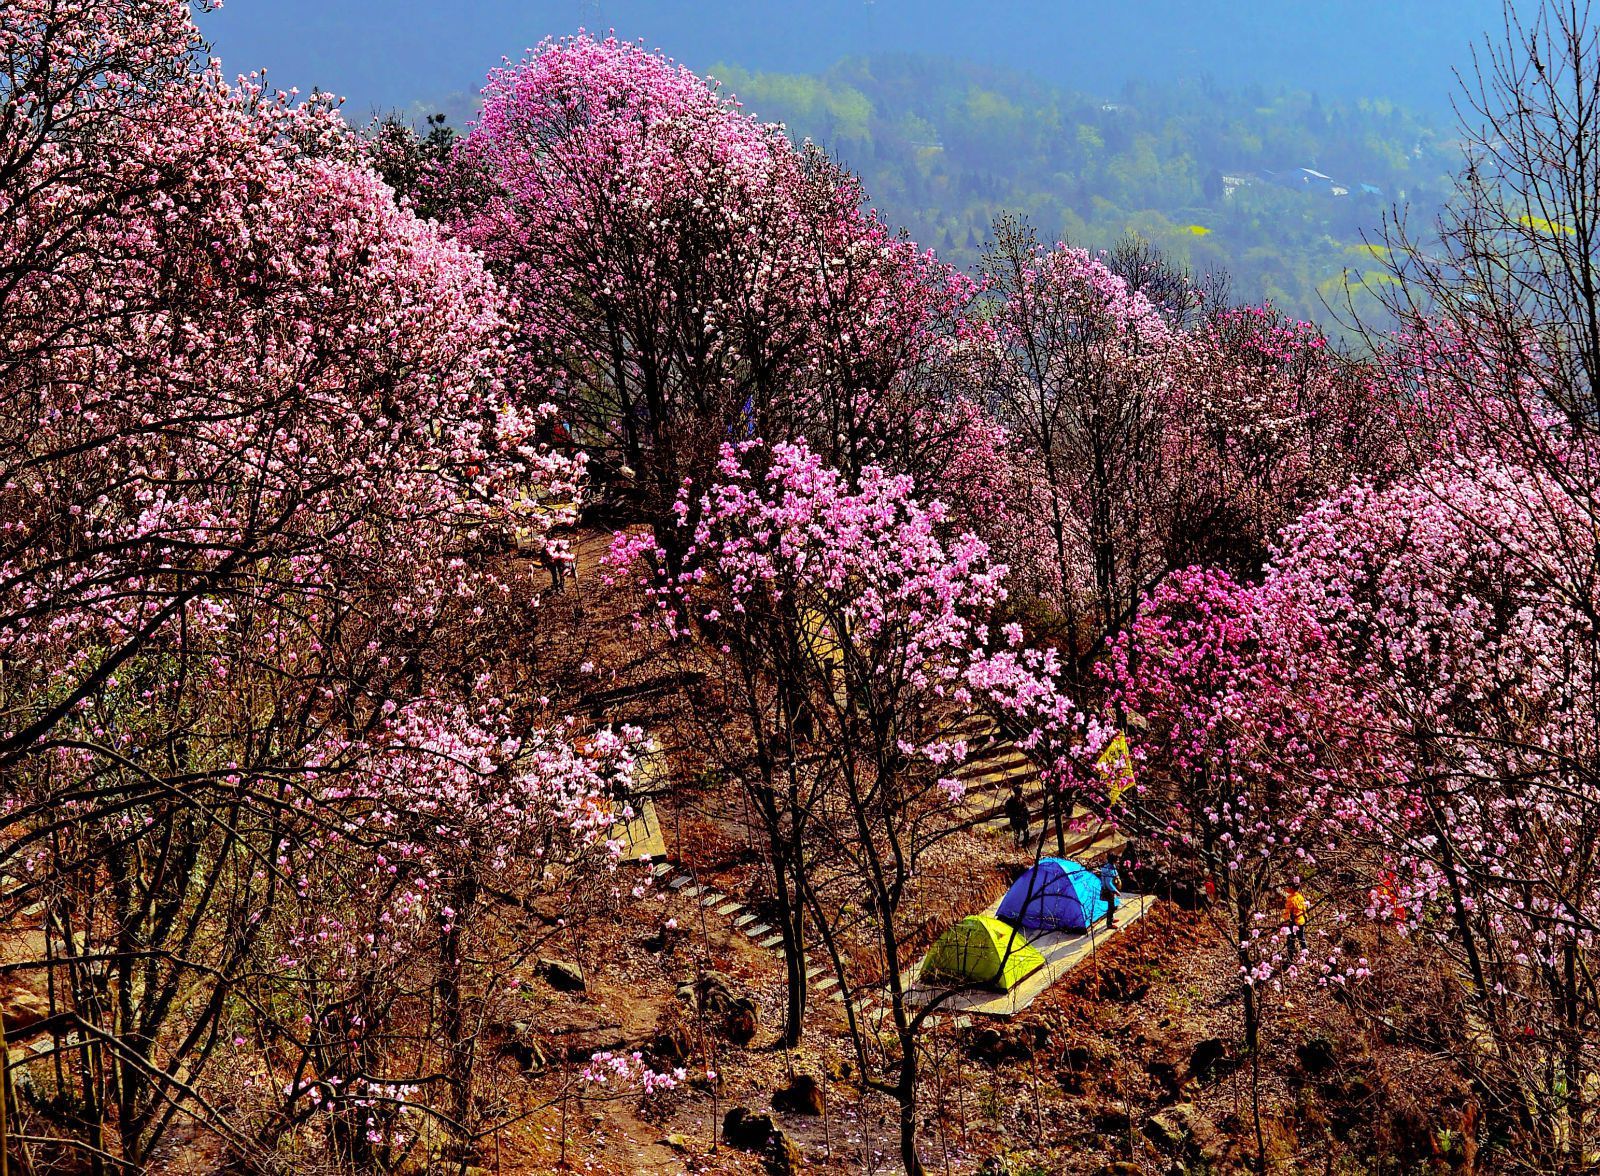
[[1110, 889], [1017, 815], [1295, 909]]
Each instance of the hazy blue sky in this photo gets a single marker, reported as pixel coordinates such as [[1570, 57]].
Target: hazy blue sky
[[392, 53]]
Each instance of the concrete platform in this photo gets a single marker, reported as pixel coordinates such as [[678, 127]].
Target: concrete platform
[[642, 835], [1062, 951]]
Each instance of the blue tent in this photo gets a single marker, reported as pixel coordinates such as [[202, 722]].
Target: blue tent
[[1054, 895]]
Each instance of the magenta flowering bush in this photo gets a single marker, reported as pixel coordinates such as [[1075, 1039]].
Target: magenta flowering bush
[[1394, 717], [836, 620], [1253, 740], [832, 592], [792, 526], [1453, 597]]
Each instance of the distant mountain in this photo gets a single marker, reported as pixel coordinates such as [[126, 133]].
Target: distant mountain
[[1276, 187], [1282, 189]]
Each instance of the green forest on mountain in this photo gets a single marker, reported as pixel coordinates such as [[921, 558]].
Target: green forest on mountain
[[1216, 178], [943, 147]]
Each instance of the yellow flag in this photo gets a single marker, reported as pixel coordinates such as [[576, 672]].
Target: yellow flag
[[1115, 765]]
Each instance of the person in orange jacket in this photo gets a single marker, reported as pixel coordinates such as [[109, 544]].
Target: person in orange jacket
[[1295, 909], [1386, 898]]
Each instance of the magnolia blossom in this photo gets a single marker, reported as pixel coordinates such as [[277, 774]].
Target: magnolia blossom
[[619, 1072]]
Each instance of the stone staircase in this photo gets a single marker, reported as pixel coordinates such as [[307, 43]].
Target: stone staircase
[[994, 764], [675, 878]]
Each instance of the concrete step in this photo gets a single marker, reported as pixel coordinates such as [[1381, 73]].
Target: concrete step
[[996, 766], [1098, 847], [996, 811], [971, 725], [861, 1004], [1000, 759], [990, 795], [729, 908], [1000, 776], [757, 930], [774, 941], [999, 785], [1000, 782], [679, 882]]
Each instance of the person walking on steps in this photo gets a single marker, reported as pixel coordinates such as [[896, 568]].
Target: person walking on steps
[[1295, 909], [1110, 890], [1017, 815]]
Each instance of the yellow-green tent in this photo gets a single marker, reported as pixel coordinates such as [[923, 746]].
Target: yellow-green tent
[[981, 950]]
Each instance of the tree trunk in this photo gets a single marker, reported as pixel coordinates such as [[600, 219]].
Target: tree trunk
[[794, 963], [791, 925], [1252, 1018], [786, 857], [1252, 1041], [460, 1040], [1255, 1109], [906, 1094]]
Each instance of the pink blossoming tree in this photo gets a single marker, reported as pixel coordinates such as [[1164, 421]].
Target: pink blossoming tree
[[258, 418], [844, 623], [1448, 596], [683, 274]]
